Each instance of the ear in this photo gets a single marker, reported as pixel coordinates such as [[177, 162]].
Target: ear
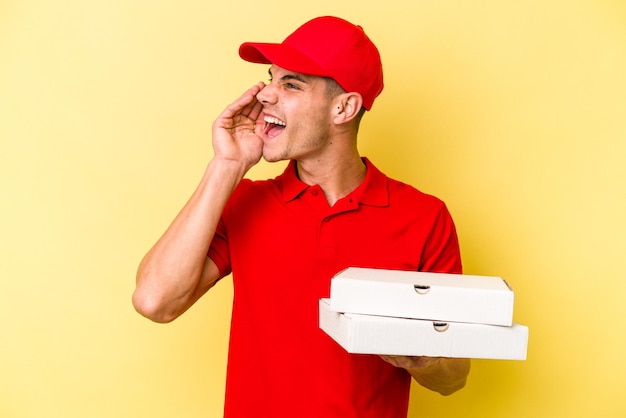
[[347, 107]]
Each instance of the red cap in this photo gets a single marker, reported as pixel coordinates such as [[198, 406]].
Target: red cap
[[327, 47]]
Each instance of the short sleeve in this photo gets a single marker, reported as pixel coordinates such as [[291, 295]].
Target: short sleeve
[[441, 252], [219, 250]]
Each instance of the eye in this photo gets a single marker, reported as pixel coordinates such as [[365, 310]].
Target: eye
[[292, 86]]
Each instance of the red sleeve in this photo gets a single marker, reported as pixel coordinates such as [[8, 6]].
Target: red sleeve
[[441, 253], [219, 252]]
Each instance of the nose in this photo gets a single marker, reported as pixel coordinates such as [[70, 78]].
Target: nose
[[267, 95]]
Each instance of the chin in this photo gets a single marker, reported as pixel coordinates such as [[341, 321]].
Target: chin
[[273, 158], [273, 152]]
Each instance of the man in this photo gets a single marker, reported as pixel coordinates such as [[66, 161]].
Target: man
[[284, 239]]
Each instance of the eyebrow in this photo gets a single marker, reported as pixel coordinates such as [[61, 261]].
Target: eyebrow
[[287, 77]]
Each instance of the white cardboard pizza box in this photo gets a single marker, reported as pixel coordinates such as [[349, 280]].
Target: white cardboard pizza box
[[370, 334], [423, 295]]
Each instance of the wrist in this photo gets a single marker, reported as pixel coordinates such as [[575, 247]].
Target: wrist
[[225, 168]]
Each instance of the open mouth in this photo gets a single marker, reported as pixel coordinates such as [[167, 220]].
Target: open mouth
[[273, 126]]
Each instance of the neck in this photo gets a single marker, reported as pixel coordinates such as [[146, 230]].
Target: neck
[[337, 177]]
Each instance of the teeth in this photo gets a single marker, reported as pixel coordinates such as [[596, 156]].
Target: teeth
[[275, 121]]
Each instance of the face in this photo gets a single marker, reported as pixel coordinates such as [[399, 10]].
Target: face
[[296, 119]]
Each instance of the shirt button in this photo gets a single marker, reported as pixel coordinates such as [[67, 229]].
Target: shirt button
[[314, 192]]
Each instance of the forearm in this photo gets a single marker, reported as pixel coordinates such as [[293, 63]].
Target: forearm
[[172, 273], [443, 375]]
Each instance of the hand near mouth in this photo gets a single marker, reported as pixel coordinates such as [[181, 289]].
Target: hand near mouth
[[234, 136]]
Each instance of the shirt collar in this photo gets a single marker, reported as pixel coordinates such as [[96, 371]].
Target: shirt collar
[[373, 191]]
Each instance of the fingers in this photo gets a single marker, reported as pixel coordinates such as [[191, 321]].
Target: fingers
[[255, 110], [410, 362], [247, 104]]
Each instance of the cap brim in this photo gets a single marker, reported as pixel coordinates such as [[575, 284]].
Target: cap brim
[[282, 55]]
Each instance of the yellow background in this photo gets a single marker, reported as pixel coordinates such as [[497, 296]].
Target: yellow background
[[513, 112]]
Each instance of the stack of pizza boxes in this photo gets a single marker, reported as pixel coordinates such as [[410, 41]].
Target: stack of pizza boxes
[[393, 312]]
